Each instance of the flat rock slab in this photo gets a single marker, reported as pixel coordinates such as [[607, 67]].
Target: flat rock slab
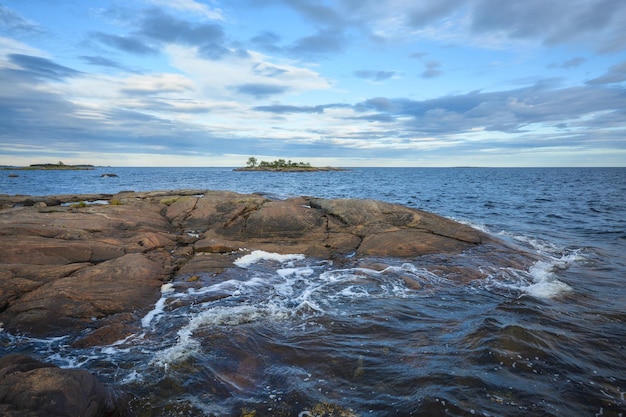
[[98, 268], [92, 271]]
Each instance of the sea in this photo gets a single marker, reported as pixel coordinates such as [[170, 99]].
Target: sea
[[293, 336]]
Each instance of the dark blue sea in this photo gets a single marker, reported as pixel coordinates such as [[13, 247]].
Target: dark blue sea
[[548, 341]]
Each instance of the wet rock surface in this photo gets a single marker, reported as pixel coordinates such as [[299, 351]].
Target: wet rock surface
[[30, 388], [71, 267], [89, 270]]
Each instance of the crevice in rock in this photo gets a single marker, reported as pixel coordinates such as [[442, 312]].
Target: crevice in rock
[[177, 259], [327, 213], [244, 212], [432, 232]]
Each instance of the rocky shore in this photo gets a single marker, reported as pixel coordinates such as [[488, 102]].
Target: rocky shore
[[91, 266]]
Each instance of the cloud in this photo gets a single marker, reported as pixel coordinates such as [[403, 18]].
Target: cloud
[[211, 91], [132, 45], [215, 52], [267, 41], [505, 111], [375, 75], [155, 84], [156, 28], [104, 62], [31, 115], [41, 68], [318, 45], [286, 109], [425, 13], [431, 70], [265, 69], [259, 90], [12, 22], [329, 20], [162, 27], [418, 55], [570, 63], [35, 118], [252, 74], [615, 74], [191, 6], [555, 22], [598, 24], [155, 113], [320, 14]]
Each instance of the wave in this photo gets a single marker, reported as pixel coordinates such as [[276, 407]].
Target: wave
[[541, 280], [288, 290]]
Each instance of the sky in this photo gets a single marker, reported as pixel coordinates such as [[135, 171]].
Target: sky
[[345, 83]]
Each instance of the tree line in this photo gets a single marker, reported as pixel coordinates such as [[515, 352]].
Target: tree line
[[279, 163]]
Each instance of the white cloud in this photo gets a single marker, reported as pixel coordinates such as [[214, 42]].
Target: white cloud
[[191, 6], [220, 78], [156, 84], [11, 46]]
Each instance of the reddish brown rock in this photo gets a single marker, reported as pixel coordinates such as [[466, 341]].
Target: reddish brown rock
[[30, 388], [99, 267], [71, 303], [93, 272], [65, 269]]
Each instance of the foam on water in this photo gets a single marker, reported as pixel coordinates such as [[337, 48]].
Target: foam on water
[[538, 245], [272, 307], [259, 255], [545, 284], [186, 345], [159, 306], [540, 281], [301, 290], [292, 288]]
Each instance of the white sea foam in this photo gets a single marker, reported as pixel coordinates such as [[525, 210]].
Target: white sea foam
[[544, 282], [186, 345], [541, 246], [133, 376], [539, 281], [422, 273], [301, 272], [159, 306], [276, 294], [259, 255], [71, 361]]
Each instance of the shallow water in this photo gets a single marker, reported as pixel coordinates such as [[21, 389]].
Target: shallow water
[[294, 336]]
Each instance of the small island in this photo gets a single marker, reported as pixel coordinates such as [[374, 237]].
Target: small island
[[280, 165], [58, 166]]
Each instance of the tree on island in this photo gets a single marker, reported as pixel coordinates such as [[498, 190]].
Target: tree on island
[[279, 163], [253, 164]]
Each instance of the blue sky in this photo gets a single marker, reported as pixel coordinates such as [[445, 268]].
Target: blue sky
[[345, 82]]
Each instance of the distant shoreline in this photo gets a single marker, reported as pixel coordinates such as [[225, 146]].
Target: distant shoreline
[[44, 167]]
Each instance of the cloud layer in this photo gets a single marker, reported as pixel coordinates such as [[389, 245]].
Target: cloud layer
[[363, 82]]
